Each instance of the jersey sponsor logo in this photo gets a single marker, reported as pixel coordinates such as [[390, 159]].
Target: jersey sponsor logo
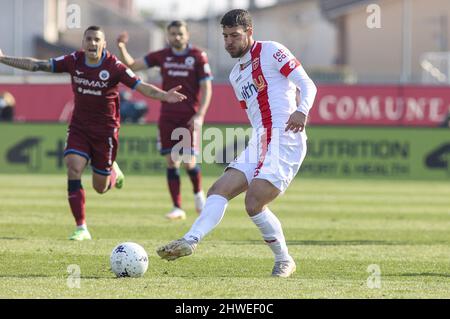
[[90, 92], [244, 65], [255, 64], [189, 61], [259, 83], [280, 55], [91, 83], [175, 65], [248, 90], [178, 73], [104, 75]]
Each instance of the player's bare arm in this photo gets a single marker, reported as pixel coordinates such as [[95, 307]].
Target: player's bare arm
[[27, 64], [171, 96], [125, 56], [205, 95]]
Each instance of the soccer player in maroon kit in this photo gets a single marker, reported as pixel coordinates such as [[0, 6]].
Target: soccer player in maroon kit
[[180, 63], [94, 126]]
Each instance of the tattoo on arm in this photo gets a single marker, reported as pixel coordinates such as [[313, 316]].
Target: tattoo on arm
[[27, 64], [45, 66], [154, 93], [151, 91]]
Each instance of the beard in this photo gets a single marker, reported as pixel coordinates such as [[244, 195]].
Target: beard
[[237, 54], [177, 45]]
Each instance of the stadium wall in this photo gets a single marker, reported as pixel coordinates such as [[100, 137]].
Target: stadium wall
[[333, 152], [356, 105]]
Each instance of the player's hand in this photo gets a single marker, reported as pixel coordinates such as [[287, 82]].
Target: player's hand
[[196, 121], [122, 38], [296, 122], [172, 96]]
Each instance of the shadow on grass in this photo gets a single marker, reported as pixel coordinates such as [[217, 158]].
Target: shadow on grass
[[421, 274], [343, 242], [327, 242], [12, 238], [24, 276]]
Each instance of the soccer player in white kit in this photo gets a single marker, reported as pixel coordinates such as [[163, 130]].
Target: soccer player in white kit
[[265, 80]]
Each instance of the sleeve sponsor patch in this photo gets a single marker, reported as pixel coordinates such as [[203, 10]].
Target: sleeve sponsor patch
[[281, 55], [130, 73], [289, 67]]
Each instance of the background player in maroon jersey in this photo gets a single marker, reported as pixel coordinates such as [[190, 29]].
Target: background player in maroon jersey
[[94, 126], [180, 63]]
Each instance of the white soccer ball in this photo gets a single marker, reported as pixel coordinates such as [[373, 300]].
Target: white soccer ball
[[129, 260]]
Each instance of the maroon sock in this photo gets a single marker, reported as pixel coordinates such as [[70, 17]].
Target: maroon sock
[[196, 178], [77, 201], [173, 180]]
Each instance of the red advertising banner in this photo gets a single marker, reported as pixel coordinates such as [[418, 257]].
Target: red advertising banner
[[384, 105], [381, 105]]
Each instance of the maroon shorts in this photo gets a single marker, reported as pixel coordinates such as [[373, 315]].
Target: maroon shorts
[[174, 133], [98, 148]]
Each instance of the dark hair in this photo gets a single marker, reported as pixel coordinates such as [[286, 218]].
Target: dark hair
[[177, 24], [94, 28], [237, 17]]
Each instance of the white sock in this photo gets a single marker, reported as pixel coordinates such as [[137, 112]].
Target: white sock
[[209, 218], [272, 233], [84, 226]]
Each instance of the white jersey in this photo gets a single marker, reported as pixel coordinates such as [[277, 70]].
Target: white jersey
[[265, 81]]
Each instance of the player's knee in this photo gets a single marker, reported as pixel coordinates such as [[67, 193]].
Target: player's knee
[[217, 189], [74, 171], [189, 166], [100, 188], [212, 190], [252, 205], [171, 162]]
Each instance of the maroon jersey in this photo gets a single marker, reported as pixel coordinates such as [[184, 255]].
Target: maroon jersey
[[96, 88], [188, 69]]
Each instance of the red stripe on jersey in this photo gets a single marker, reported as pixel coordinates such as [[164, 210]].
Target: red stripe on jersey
[[263, 101], [243, 105], [289, 67]]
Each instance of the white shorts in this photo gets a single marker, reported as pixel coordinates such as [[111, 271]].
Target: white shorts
[[278, 162]]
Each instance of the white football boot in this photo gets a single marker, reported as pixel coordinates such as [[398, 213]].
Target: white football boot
[[284, 268], [176, 214]]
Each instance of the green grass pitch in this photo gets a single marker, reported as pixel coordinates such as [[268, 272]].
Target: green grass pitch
[[335, 230]]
